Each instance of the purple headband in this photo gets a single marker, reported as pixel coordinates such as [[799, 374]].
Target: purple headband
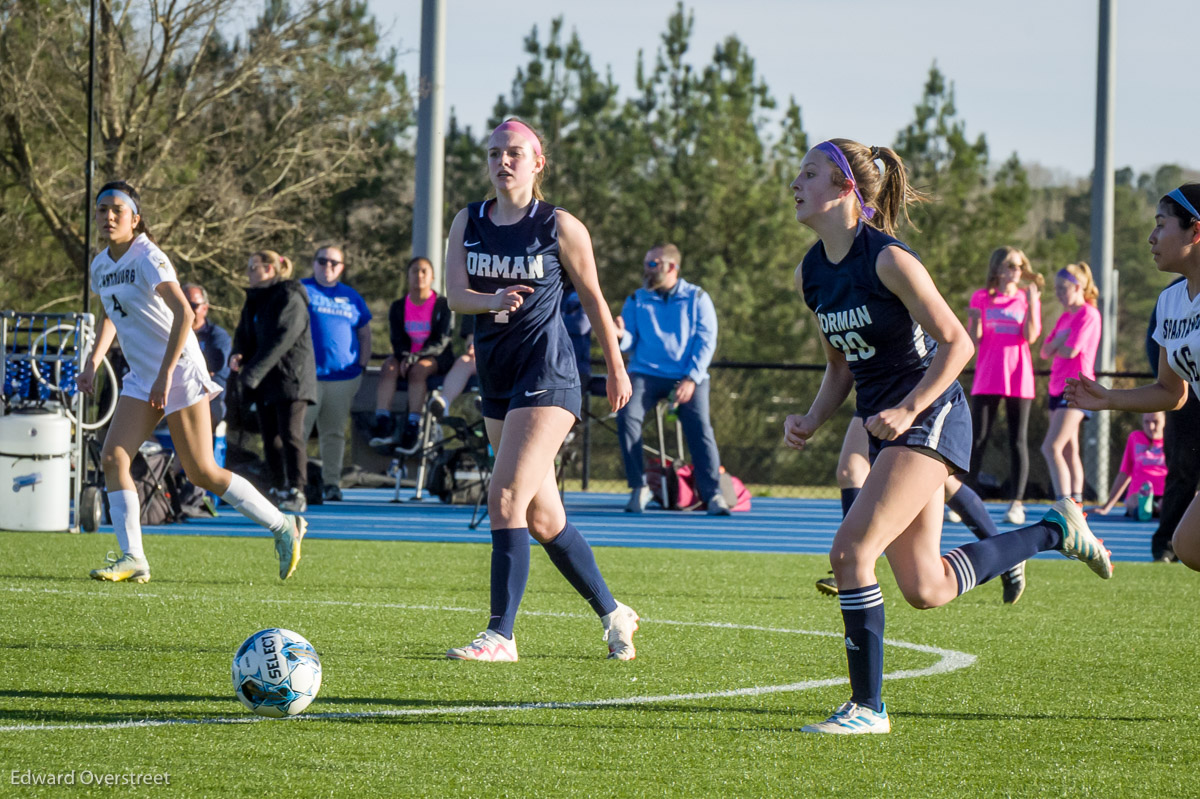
[[839, 160], [1065, 274], [517, 126]]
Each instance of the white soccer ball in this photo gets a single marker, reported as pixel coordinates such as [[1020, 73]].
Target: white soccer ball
[[276, 673]]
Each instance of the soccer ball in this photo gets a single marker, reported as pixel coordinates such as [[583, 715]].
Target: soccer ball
[[276, 673]]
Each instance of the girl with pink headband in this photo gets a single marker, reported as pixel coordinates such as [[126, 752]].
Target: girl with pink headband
[[506, 263], [1175, 245], [888, 333]]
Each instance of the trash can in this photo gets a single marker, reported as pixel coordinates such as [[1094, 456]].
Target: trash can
[[35, 471]]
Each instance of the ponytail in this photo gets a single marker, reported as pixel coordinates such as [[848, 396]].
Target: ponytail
[[280, 263], [887, 191], [1081, 274]]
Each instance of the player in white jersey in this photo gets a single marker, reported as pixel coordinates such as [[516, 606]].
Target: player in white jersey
[[1175, 245], [145, 308]]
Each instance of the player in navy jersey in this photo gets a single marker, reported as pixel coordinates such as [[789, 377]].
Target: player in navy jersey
[[146, 309], [506, 263], [1175, 245], [889, 334]]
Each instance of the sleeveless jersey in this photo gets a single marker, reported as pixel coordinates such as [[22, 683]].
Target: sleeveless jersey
[[527, 349], [885, 348], [142, 318], [1178, 331]]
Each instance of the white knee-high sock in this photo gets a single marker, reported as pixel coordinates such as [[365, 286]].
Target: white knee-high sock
[[126, 514], [246, 499]]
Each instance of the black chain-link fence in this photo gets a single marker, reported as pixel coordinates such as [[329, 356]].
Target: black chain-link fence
[[749, 403]]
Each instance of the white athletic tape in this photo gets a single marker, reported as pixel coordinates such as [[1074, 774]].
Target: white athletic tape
[[949, 660]]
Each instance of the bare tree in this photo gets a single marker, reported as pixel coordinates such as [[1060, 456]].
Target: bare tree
[[236, 141]]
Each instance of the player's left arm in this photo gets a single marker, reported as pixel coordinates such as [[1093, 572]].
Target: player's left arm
[[575, 252], [907, 278], [181, 324]]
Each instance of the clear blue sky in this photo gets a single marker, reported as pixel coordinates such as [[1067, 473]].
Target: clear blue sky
[[1023, 70]]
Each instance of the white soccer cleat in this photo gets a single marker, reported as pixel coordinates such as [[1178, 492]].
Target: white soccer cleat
[[1078, 541], [619, 627], [119, 570], [952, 515], [489, 645], [287, 545], [853, 719]]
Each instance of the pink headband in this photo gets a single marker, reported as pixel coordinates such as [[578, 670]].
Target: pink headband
[[517, 126]]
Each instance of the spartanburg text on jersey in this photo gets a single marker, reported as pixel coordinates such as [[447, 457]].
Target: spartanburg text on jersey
[[885, 348], [1178, 331], [143, 320], [527, 349]]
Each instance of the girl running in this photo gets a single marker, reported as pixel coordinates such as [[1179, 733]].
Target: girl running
[[889, 334], [1004, 320], [1175, 245], [145, 308], [506, 262], [1072, 345]]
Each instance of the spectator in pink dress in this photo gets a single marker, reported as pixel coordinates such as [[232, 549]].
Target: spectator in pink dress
[[1072, 345], [1143, 464], [1003, 320]]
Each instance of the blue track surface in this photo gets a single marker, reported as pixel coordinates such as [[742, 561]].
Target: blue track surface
[[774, 525]]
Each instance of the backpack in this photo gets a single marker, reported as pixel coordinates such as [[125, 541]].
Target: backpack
[[157, 487], [681, 487], [456, 477]]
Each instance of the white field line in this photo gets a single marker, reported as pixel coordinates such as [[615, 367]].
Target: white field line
[[948, 660]]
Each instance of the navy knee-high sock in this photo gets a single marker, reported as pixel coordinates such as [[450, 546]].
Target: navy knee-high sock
[[570, 553], [862, 613], [848, 497], [510, 572], [976, 563], [967, 504]]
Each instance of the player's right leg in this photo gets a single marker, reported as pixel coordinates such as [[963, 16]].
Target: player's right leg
[[525, 441], [132, 423], [852, 470], [903, 489]]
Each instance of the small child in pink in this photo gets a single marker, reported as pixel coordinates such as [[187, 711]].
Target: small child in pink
[[1072, 345], [1142, 464]]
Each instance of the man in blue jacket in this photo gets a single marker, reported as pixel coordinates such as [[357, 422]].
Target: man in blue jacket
[[669, 327]]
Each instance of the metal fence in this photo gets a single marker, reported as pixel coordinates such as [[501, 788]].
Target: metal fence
[[749, 402]]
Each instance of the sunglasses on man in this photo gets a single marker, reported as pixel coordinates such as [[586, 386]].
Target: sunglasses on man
[[326, 262]]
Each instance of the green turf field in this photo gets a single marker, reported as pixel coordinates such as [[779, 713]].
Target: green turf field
[[1085, 688]]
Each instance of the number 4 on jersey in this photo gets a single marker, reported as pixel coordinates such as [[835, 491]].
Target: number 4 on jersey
[[117, 309]]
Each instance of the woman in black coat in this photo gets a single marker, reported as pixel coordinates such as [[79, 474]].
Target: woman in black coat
[[273, 353]]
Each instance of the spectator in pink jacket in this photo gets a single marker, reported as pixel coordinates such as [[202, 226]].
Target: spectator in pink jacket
[[1004, 319], [1071, 348]]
